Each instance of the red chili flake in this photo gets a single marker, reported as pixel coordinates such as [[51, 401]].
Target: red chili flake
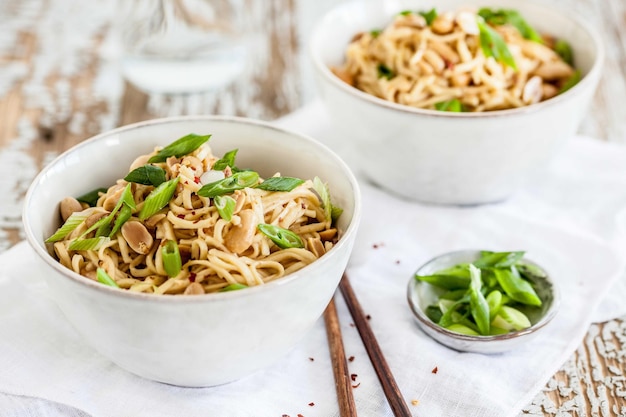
[[397, 261], [285, 415], [311, 359], [449, 65], [196, 221], [186, 182], [353, 377], [375, 245], [368, 317], [311, 404], [180, 216], [351, 324], [351, 359], [300, 415], [193, 212], [434, 371], [196, 180], [192, 277], [357, 385]]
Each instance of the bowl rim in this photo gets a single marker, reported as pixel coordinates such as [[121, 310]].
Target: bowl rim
[[423, 320], [210, 297], [328, 76]]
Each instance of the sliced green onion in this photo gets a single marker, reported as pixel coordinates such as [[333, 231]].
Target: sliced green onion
[[493, 45], [510, 318], [93, 243], [102, 225], [405, 13], [322, 191], [225, 206], [105, 278], [283, 238], [68, 227], [564, 50], [158, 198], [91, 197], [122, 217], [228, 160], [495, 301], [430, 16], [375, 32], [180, 147], [280, 184], [498, 259], [172, 262], [479, 307], [233, 287], [147, 175], [516, 287], [104, 229], [571, 81], [453, 105], [385, 72], [127, 198], [512, 17], [237, 181], [335, 212], [460, 328]]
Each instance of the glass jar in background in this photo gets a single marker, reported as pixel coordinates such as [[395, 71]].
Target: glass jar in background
[[182, 46]]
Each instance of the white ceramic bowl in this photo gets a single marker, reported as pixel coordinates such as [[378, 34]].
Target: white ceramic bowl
[[199, 340], [442, 157], [421, 294]]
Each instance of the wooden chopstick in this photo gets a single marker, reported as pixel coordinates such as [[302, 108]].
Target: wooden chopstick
[[390, 388], [343, 386]]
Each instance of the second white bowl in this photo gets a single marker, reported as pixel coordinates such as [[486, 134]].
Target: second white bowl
[[442, 157]]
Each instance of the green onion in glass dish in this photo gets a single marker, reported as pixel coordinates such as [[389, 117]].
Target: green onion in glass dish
[[459, 299]]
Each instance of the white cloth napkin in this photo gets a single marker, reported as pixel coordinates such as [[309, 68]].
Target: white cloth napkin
[[575, 238]]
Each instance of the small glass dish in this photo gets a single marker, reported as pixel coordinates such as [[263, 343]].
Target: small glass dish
[[422, 294]]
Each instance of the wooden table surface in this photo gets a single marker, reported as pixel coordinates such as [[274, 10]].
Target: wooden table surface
[[60, 84]]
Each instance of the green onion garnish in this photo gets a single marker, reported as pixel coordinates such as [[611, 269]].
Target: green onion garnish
[[493, 45], [93, 243], [225, 206], [171, 258], [385, 72], [228, 160], [571, 81], [429, 16], [479, 308], [375, 32], [283, 238], [335, 212], [280, 184], [453, 105], [91, 197], [564, 50], [233, 287], [237, 181], [180, 147], [322, 191], [158, 198], [122, 217], [513, 18], [105, 278], [70, 224], [147, 175], [405, 13]]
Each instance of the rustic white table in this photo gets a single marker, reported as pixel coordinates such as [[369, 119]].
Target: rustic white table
[[59, 84]]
